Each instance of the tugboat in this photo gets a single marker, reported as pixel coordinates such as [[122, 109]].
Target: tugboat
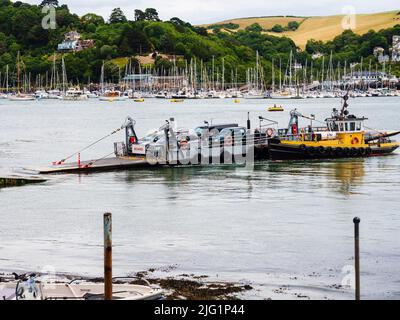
[[344, 136]]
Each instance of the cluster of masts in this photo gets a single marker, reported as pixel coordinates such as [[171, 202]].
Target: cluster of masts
[[196, 79]]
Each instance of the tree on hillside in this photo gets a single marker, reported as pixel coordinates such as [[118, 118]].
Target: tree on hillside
[[255, 27], [50, 3], [277, 28], [293, 25], [117, 16], [151, 14], [92, 18], [139, 15]]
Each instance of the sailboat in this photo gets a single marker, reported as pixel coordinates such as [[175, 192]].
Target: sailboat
[[4, 95], [255, 81], [20, 96]]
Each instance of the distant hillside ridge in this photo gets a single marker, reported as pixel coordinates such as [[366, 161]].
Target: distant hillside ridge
[[322, 28]]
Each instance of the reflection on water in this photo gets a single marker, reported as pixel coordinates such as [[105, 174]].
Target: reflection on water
[[342, 176]]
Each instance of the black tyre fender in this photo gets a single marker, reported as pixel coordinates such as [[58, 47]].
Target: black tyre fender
[[311, 151], [339, 151], [321, 150], [353, 152]]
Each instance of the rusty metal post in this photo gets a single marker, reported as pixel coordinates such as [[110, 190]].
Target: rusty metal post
[[107, 257], [357, 255]]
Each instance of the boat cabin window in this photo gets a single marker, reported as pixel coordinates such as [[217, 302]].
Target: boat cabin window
[[343, 126]]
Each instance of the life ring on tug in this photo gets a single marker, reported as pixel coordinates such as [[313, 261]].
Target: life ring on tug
[[355, 140], [184, 144], [228, 141], [270, 132]]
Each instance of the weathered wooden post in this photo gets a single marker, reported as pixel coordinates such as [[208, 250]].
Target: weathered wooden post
[[357, 255], [107, 257]]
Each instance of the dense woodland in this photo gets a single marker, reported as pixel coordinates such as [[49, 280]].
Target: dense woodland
[[21, 31]]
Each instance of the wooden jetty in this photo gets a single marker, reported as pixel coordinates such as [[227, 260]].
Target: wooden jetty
[[17, 181], [106, 164]]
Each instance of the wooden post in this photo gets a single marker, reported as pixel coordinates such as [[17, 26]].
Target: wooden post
[[357, 255], [107, 257]]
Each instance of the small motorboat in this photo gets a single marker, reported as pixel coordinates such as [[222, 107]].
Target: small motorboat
[[177, 100], [138, 100], [275, 108], [237, 100], [76, 290]]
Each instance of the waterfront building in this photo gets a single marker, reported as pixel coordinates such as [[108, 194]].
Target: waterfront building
[[73, 42], [396, 49]]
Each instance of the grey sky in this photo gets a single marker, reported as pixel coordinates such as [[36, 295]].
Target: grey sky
[[206, 11]]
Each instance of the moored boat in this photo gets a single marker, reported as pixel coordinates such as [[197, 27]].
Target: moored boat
[[344, 136], [113, 95], [74, 94], [276, 108], [21, 97]]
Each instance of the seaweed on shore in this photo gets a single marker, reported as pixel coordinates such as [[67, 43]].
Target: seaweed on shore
[[193, 287]]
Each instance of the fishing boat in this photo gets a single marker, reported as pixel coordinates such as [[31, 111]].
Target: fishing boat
[[343, 136], [113, 95], [276, 108]]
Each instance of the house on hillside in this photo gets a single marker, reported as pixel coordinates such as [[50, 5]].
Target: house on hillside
[[396, 49], [73, 43], [317, 55], [358, 77], [151, 58], [379, 53]]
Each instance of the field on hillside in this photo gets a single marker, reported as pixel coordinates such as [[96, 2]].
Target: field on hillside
[[322, 28]]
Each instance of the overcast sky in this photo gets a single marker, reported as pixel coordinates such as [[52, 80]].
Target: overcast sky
[[207, 11]]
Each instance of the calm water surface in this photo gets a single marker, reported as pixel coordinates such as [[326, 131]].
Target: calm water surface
[[283, 223]]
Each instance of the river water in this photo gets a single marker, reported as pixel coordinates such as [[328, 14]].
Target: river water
[[284, 227]]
